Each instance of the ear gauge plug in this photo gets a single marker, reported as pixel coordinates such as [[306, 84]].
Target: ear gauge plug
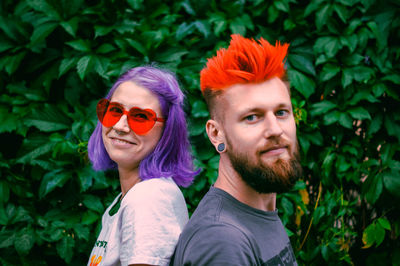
[[221, 147]]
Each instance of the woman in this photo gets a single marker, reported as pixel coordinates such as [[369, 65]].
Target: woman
[[142, 133]]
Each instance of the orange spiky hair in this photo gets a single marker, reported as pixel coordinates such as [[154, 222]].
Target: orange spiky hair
[[245, 61]]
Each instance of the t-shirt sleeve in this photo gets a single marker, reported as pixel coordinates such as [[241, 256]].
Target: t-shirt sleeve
[[218, 244], [152, 221]]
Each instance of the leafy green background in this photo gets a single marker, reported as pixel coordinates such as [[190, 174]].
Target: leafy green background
[[58, 57]]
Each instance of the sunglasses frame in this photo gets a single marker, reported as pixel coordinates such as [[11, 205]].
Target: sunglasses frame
[[102, 108]]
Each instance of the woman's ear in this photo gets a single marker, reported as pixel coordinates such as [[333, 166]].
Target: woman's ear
[[215, 133]]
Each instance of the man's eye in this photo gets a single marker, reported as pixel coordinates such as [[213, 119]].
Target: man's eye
[[251, 118], [282, 113]]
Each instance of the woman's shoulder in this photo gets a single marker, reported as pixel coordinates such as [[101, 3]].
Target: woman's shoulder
[[154, 190]]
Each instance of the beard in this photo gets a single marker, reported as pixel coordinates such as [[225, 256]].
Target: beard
[[273, 177]]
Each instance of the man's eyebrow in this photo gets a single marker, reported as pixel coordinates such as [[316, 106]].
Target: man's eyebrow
[[259, 109]]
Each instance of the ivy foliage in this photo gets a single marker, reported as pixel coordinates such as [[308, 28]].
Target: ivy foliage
[[58, 57]]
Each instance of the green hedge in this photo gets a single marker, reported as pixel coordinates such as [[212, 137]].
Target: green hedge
[[58, 57]]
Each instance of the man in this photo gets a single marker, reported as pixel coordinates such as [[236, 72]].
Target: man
[[252, 127]]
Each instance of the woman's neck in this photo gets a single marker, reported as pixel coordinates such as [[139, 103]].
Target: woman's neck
[[128, 178]]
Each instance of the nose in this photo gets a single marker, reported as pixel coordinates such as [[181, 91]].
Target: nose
[[122, 124], [273, 127]]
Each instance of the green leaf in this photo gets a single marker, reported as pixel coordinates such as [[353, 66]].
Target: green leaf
[[137, 45], [203, 27], [83, 66], [287, 206], [34, 147], [71, 26], [42, 31], [369, 235], [93, 203], [188, 8], [183, 30], [379, 89], [105, 49], [102, 30], [302, 83], [171, 55], [346, 121], [80, 45], [199, 109], [311, 7], [322, 16], [65, 248], [329, 71], [325, 252], [101, 65], [82, 231], [372, 188], [342, 12], [273, 14], [4, 191], [384, 223], [47, 118], [393, 128], [53, 179], [393, 78], [7, 239], [331, 117], [9, 121], [362, 95], [90, 217], [66, 64], [375, 125], [328, 45], [328, 162], [353, 59], [237, 26], [13, 62], [5, 45], [196, 127], [359, 113], [322, 107], [379, 234], [24, 241], [362, 74], [44, 7], [135, 4], [391, 180], [347, 77], [85, 178], [282, 5], [318, 214], [302, 63]]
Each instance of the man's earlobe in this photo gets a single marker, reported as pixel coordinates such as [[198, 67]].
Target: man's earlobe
[[221, 147]]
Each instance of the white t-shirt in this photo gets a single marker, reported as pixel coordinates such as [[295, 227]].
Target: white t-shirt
[[145, 228]]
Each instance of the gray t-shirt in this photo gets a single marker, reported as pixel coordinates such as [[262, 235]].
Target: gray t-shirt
[[145, 228], [224, 231]]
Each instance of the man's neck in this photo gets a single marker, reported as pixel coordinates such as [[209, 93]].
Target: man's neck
[[230, 181]]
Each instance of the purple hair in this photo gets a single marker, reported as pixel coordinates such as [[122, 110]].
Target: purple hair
[[171, 156]]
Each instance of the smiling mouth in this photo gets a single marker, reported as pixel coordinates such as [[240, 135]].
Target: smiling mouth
[[122, 141], [275, 148]]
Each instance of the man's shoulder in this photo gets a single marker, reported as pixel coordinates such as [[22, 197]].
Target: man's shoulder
[[213, 242]]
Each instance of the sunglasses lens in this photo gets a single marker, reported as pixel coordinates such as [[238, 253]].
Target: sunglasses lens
[[141, 121], [101, 109], [113, 114]]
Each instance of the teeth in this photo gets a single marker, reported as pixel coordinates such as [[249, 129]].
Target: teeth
[[121, 141]]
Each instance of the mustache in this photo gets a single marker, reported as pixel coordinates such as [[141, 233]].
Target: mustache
[[274, 144]]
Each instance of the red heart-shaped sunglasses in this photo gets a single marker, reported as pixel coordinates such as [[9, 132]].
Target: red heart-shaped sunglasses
[[139, 120]]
